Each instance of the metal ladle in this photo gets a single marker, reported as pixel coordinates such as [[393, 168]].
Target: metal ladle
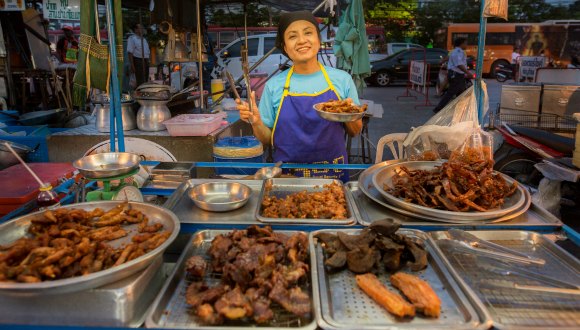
[[269, 172]]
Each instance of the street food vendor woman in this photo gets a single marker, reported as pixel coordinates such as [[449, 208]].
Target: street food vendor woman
[[286, 117]]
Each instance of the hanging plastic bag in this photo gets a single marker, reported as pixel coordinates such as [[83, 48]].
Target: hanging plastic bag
[[132, 81], [454, 130]]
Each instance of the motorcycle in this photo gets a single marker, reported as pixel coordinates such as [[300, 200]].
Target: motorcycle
[[527, 154], [504, 72]]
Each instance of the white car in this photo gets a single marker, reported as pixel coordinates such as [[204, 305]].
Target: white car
[[230, 56], [392, 48]]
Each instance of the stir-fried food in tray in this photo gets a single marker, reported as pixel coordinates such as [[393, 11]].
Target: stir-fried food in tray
[[261, 273], [377, 249], [65, 243], [457, 185], [330, 203], [342, 106]]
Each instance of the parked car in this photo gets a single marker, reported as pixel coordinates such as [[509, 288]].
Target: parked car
[[230, 56], [396, 67], [390, 49]]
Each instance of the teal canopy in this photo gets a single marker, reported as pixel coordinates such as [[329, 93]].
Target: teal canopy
[[351, 44]]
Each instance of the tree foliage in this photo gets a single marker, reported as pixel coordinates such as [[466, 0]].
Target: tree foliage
[[258, 15], [404, 20]]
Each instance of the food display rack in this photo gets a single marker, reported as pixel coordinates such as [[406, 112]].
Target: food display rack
[[535, 219]]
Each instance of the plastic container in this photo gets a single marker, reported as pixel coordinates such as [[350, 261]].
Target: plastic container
[[255, 79], [245, 149], [47, 197], [216, 86], [193, 124]]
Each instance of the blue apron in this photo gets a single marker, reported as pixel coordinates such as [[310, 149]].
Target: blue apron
[[300, 135]]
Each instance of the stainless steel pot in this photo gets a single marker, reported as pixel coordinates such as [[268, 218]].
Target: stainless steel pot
[[7, 159], [103, 112], [152, 114]]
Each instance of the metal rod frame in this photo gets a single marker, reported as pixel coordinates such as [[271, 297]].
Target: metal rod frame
[[114, 88]]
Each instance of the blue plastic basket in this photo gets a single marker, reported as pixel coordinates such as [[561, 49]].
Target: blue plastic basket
[[244, 142], [36, 138]]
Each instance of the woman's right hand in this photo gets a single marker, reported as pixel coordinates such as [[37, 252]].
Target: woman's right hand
[[244, 108]]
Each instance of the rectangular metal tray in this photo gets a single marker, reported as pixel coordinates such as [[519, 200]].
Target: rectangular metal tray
[[341, 304], [180, 203], [284, 187], [518, 309], [170, 310], [367, 211], [120, 304]]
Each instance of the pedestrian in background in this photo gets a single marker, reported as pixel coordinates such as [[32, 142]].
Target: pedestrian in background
[[457, 73], [138, 53], [67, 47]]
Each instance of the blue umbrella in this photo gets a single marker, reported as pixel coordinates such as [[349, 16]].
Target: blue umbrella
[[351, 44]]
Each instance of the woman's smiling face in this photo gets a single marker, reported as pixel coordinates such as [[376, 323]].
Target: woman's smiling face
[[301, 42]]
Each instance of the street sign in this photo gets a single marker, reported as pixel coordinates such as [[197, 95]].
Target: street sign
[[418, 73], [529, 65], [12, 5], [62, 9]]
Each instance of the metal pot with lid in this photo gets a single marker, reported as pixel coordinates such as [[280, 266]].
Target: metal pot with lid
[[103, 112], [153, 99], [7, 159]]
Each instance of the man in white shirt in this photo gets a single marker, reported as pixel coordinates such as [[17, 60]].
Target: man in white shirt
[[515, 55], [138, 53], [456, 72]]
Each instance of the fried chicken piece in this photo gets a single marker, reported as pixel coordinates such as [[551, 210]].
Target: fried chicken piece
[[294, 300], [386, 298], [418, 292], [207, 315], [234, 305], [196, 266]]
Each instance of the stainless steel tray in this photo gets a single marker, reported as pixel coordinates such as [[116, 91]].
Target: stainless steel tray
[[385, 175], [366, 185], [518, 309], [340, 304], [120, 304], [170, 310], [17, 228], [368, 210], [284, 187], [180, 203]]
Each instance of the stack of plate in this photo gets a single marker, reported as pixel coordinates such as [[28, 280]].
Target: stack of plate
[[372, 179]]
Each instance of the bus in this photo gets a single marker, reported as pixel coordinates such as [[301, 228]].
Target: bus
[[557, 40]]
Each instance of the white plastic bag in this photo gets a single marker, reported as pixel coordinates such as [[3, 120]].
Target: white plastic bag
[[132, 81], [549, 195]]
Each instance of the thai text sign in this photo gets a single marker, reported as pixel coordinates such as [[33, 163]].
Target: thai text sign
[[529, 65], [12, 5], [418, 73], [62, 9]]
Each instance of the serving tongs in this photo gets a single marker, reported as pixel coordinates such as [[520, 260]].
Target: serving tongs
[[451, 245], [483, 247], [245, 66]]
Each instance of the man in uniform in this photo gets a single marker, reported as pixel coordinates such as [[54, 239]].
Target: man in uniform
[[138, 53], [457, 73]]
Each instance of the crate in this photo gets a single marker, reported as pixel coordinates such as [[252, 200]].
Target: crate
[[36, 138], [544, 121], [194, 124]]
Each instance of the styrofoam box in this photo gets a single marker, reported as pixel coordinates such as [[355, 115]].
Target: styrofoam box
[[193, 124]]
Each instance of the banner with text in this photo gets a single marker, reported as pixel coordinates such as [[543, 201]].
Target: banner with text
[[418, 74], [62, 9], [12, 5], [529, 65]]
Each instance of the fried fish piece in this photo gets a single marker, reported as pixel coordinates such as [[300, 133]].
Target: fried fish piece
[[418, 292], [388, 299]]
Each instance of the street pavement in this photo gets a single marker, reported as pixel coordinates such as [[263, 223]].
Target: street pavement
[[401, 115]]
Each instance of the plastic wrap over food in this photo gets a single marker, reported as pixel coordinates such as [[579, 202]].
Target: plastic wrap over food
[[455, 128]]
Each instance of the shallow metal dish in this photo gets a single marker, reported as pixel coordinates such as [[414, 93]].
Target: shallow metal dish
[[220, 196], [17, 228], [385, 175], [338, 117], [108, 164]]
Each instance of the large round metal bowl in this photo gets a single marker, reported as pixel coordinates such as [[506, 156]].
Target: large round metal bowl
[[385, 176], [107, 164], [337, 117], [17, 228], [220, 196]]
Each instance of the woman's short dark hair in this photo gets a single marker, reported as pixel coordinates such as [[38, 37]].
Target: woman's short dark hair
[[134, 26], [458, 42]]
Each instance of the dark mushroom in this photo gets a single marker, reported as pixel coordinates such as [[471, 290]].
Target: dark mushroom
[[337, 261], [362, 260], [386, 226], [362, 240]]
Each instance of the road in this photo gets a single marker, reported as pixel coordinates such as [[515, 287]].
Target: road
[[401, 115]]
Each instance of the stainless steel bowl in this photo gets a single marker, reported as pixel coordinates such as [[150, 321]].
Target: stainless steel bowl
[[108, 164], [338, 117], [220, 196], [17, 228]]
